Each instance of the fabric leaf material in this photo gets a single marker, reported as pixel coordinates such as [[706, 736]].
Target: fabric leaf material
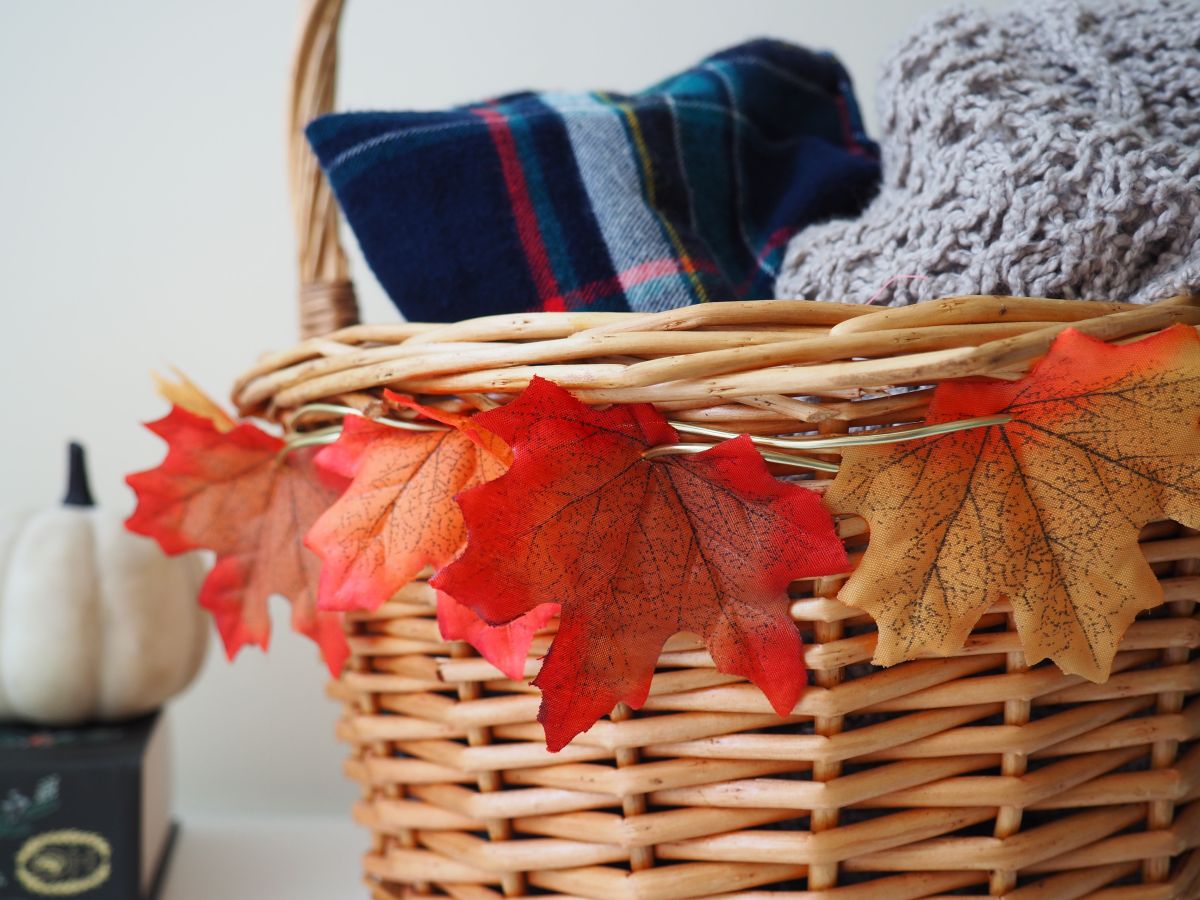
[[1044, 510], [636, 550], [505, 646], [235, 493], [399, 516]]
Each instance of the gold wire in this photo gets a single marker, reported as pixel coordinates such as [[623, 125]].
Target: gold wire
[[858, 439], [783, 459], [296, 439], [338, 409]]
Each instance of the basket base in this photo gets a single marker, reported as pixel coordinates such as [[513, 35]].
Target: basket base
[[973, 775]]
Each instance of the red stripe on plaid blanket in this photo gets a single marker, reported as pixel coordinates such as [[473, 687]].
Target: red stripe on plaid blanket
[[523, 212], [639, 274], [848, 137]]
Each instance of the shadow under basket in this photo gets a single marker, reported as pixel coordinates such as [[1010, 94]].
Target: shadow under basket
[[970, 775]]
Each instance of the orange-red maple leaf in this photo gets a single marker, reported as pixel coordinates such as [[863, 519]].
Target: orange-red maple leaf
[[235, 493], [398, 515], [635, 550], [1044, 510]]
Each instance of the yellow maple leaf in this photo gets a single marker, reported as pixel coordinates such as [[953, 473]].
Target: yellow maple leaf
[[1044, 510], [186, 394]]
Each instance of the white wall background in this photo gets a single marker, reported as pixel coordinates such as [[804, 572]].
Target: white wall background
[[143, 223]]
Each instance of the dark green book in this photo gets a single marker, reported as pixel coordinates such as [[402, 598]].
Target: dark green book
[[84, 812]]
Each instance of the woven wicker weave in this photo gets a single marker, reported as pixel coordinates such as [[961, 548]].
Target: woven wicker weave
[[970, 775]]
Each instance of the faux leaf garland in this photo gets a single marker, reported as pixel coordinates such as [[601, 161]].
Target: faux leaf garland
[[1044, 510], [236, 493], [583, 514], [636, 550]]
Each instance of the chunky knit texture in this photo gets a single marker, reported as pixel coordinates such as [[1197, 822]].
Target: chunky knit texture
[[1053, 150]]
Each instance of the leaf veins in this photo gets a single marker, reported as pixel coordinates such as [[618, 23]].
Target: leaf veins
[[636, 550], [234, 493], [1044, 511]]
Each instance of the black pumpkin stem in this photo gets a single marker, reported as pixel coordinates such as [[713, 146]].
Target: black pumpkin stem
[[78, 491]]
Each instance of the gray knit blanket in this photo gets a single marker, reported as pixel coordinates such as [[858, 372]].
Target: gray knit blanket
[[1052, 150]]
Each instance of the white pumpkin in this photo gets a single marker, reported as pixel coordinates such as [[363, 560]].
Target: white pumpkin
[[95, 622]]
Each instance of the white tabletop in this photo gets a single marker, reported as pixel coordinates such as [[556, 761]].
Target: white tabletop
[[294, 858]]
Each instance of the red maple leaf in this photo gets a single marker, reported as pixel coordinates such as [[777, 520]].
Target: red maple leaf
[[505, 646], [235, 493], [635, 550]]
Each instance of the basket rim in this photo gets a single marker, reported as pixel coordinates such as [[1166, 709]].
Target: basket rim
[[749, 356]]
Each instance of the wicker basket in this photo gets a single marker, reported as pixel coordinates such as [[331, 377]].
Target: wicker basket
[[970, 775]]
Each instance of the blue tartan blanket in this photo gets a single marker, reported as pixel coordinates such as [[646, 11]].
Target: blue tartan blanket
[[683, 193]]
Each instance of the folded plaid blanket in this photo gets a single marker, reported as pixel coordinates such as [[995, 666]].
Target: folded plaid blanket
[[683, 193]]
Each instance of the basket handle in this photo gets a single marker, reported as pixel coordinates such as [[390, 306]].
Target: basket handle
[[327, 300]]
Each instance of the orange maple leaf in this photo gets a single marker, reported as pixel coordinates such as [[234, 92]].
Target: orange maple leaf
[[233, 492], [398, 515], [1044, 510]]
